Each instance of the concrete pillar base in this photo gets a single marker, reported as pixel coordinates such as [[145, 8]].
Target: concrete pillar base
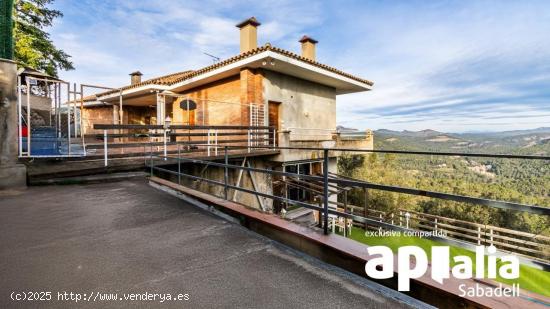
[[13, 176]]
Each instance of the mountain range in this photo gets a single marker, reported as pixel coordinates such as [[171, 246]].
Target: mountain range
[[534, 141]]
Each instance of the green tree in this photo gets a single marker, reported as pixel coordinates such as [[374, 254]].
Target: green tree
[[6, 29], [33, 46]]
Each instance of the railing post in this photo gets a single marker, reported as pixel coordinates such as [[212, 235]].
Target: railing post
[[435, 225], [226, 173], [179, 164], [479, 236], [208, 143], [165, 152], [365, 205], [407, 217], [320, 214], [105, 147], [151, 160], [346, 211], [216, 142], [274, 138], [249, 140], [325, 189], [491, 235]]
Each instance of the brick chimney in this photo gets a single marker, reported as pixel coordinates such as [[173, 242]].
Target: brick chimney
[[135, 77], [308, 47], [249, 36]]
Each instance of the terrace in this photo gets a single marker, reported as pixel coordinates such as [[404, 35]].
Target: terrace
[[132, 238], [325, 193]]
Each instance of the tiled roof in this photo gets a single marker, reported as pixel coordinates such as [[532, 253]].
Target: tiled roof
[[181, 76], [161, 80]]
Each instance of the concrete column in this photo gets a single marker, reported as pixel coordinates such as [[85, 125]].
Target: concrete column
[[12, 174]]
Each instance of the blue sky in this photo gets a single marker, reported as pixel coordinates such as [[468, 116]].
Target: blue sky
[[453, 66]]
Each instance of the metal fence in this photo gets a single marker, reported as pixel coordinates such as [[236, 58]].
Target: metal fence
[[140, 140], [468, 237]]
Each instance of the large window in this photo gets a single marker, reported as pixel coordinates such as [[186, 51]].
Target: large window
[[301, 190]]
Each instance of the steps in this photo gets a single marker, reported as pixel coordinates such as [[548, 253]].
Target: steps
[[44, 142], [301, 215]]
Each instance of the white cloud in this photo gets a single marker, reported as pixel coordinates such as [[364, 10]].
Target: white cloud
[[429, 55]]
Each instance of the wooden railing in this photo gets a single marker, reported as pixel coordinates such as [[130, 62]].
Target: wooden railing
[[531, 245]]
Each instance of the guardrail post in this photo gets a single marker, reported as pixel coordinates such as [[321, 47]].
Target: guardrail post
[[325, 190], [407, 217], [479, 236], [435, 224], [365, 205], [491, 235], [400, 218], [179, 165], [225, 173], [105, 147]]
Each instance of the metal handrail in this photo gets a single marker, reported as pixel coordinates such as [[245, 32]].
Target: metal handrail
[[456, 154], [349, 182], [411, 191]]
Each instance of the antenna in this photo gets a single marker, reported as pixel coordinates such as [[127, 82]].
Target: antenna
[[214, 58]]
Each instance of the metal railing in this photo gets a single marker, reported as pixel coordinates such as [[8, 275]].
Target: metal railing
[[131, 140], [324, 207]]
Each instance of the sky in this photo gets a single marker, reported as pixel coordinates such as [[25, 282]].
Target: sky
[[452, 66]]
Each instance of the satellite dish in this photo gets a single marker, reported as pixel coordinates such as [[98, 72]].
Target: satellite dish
[[184, 105]]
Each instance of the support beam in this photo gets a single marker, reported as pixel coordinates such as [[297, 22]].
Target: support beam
[[239, 178], [255, 187]]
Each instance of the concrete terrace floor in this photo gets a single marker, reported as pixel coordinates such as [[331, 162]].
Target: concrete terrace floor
[[127, 237]]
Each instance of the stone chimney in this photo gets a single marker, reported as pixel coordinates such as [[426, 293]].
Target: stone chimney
[[135, 77], [308, 47], [249, 36]]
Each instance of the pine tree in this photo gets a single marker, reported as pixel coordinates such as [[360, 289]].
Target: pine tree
[[6, 28], [33, 46]]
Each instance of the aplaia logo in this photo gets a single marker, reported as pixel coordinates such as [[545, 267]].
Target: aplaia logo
[[440, 264]]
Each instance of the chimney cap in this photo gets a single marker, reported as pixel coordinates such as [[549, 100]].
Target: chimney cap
[[306, 38], [251, 21], [136, 73]]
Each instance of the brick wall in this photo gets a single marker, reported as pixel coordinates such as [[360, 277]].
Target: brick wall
[[210, 107], [251, 91]]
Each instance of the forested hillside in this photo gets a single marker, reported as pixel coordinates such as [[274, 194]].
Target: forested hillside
[[523, 181]]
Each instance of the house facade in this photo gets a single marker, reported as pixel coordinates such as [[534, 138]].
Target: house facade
[[261, 86]]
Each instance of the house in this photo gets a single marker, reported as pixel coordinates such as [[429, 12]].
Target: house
[[261, 86]]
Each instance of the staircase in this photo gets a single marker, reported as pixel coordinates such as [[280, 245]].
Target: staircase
[[45, 143], [301, 215]]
